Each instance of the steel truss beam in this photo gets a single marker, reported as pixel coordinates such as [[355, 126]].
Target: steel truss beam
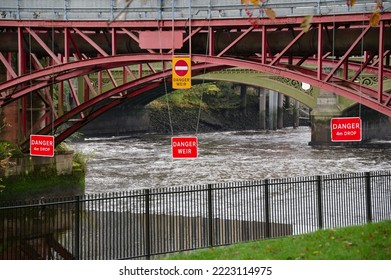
[[48, 54]]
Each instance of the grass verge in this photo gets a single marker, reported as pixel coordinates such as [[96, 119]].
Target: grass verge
[[367, 242]]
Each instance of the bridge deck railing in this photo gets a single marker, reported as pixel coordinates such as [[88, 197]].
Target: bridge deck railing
[[168, 9]]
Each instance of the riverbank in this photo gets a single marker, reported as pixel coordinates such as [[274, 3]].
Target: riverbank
[[365, 242], [191, 120]]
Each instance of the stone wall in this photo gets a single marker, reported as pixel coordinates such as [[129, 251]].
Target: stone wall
[[62, 163]]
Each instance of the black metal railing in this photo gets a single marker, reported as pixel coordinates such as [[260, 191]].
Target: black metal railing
[[144, 223]]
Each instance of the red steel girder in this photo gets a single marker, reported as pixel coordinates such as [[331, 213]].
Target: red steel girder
[[108, 38]]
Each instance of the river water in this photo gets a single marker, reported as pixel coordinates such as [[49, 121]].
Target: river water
[[144, 161]]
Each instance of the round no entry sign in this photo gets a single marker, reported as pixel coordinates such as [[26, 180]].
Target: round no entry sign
[[181, 72], [181, 68]]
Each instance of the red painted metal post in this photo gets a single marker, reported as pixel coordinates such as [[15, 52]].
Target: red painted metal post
[[21, 54], [140, 71], [21, 70], [346, 69], [66, 45], [100, 82], [264, 44], [320, 51], [381, 62], [113, 41], [60, 106], [124, 77], [211, 35]]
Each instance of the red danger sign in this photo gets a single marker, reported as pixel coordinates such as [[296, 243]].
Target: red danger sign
[[184, 147], [42, 145], [345, 129], [181, 68]]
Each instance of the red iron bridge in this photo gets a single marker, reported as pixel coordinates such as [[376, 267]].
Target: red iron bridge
[[48, 47]]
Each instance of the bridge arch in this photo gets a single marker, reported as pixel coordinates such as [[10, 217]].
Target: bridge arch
[[287, 87], [137, 88]]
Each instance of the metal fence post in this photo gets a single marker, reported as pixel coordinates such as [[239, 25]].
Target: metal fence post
[[267, 210], [147, 226], [368, 196], [319, 201], [210, 215], [77, 229]]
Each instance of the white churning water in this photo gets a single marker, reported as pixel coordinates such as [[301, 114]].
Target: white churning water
[[144, 161]]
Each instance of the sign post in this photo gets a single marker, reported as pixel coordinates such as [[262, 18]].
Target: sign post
[[184, 147], [181, 72], [42, 145], [346, 129]]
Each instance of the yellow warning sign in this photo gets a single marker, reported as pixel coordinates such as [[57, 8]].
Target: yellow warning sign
[[181, 72]]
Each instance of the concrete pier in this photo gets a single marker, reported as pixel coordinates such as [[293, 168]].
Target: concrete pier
[[321, 116], [273, 102], [296, 114], [280, 111], [262, 108]]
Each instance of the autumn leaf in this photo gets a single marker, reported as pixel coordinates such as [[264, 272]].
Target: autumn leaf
[[375, 18], [306, 23], [270, 13], [248, 2]]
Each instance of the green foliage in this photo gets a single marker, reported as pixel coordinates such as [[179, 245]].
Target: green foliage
[[8, 150], [213, 96], [367, 242], [80, 162]]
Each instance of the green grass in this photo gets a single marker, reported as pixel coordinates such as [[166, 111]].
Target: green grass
[[367, 242], [49, 184]]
